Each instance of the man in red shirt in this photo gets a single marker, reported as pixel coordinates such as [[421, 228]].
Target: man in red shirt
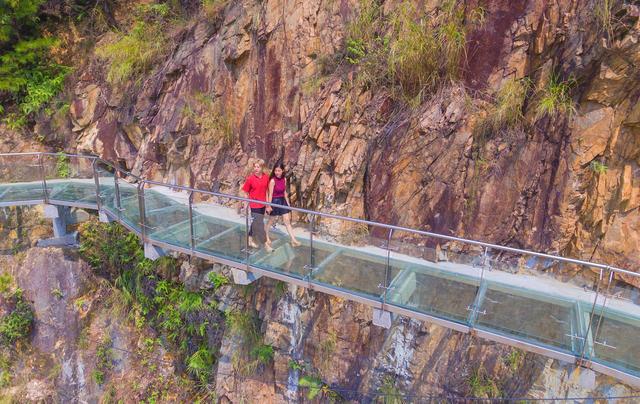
[[255, 187]]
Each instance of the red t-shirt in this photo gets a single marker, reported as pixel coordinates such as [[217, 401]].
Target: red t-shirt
[[256, 187]]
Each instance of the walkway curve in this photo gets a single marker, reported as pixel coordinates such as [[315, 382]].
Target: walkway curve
[[534, 301]]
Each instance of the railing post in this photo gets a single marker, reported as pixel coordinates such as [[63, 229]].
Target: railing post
[[387, 286], [312, 255], [97, 181], [247, 212], [585, 339], [193, 236], [44, 179], [116, 189], [143, 221]]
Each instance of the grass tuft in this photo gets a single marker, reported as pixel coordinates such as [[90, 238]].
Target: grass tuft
[[555, 98]]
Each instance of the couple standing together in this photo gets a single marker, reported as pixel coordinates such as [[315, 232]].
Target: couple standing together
[[272, 189]]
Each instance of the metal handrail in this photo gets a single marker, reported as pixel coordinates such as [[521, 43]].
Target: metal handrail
[[350, 219]]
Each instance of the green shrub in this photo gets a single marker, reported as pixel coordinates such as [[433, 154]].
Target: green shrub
[[6, 280], [506, 111], [598, 167], [134, 52], [28, 72], [317, 387], [410, 50], [210, 115], [218, 280], [555, 98], [18, 323], [200, 364], [109, 247], [604, 15], [514, 359], [390, 394], [63, 166], [263, 353], [481, 385]]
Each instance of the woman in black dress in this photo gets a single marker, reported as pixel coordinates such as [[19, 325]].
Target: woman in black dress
[[277, 194]]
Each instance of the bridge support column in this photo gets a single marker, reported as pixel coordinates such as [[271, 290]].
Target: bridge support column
[[103, 217], [153, 252], [60, 217], [241, 277], [382, 318]]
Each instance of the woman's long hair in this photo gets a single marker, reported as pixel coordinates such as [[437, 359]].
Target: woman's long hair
[[273, 172]]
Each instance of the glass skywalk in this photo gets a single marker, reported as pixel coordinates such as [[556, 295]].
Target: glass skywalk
[[566, 309]]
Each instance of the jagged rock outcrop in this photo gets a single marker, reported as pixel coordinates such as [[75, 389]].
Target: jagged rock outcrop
[[268, 67]]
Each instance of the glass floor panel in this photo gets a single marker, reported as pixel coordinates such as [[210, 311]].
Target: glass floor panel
[[72, 192], [434, 293], [541, 319], [179, 234], [291, 260], [205, 227], [22, 192], [355, 273], [229, 244], [618, 342], [130, 212]]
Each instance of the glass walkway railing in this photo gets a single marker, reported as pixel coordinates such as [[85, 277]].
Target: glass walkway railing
[[563, 308]]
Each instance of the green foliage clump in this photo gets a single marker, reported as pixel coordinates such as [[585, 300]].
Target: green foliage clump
[[6, 280], [411, 50], [29, 75], [506, 111], [389, 392], [482, 386], [109, 247], [134, 53], [104, 360], [598, 167], [253, 353], [210, 115], [604, 15], [63, 166], [18, 322], [555, 98], [316, 387], [200, 364], [218, 280], [181, 316], [514, 359]]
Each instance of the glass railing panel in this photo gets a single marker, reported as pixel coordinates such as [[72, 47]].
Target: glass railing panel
[[355, 257], [536, 300], [219, 227], [166, 215], [441, 279], [20, 178], [288, 255], [615, 325], [129, 203], [106, 187], [70, 178]]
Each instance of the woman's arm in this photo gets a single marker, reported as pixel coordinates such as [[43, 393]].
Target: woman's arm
[[272, 184]]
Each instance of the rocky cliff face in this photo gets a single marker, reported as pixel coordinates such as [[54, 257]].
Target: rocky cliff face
[[272, 72], [272, 76], [87, 347]]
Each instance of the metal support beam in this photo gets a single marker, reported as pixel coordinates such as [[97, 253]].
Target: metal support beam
[[241, 277], [153, 252], [382, 318]]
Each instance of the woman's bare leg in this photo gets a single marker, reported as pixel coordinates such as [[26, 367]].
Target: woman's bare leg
[[267, 226], [287, 223]]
